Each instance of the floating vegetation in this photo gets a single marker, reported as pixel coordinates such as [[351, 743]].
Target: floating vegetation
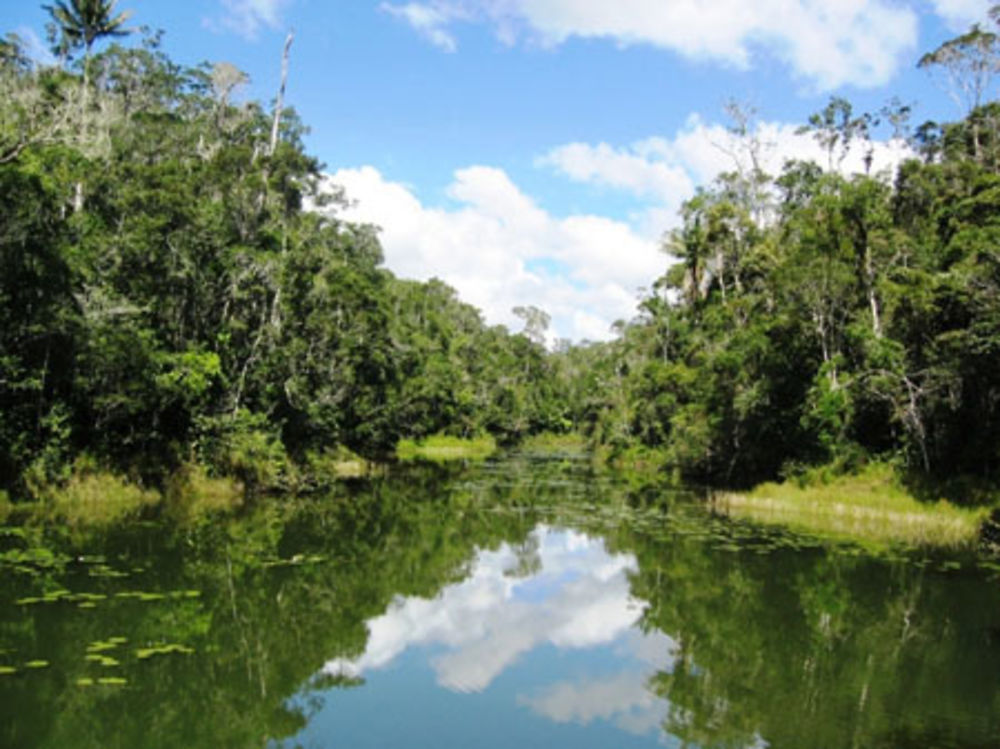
[[37, 664], [83, 600], [102, 646], [146, 653], [33, 559], [140, 595], [105, 661], [147, 596], [104, 571], [7, 670], [107, 681]]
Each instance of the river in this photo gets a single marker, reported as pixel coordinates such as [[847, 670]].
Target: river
[[528, 601]]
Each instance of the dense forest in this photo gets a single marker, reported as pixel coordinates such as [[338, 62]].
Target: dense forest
[[175, 286], [818, 319], [176, 289]]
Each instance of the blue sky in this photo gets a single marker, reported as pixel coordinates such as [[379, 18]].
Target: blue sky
[[534, 151]]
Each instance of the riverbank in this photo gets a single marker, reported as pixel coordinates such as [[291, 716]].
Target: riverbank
[[869, 506], [440, 447]]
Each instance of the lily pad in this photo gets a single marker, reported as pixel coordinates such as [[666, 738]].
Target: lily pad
[[146, 653]]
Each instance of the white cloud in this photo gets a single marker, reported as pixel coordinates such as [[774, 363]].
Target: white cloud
[[248, 17], [623, 699], [960, 14], [827, 42], [668, 169], [499, 249], [579, 599], [665, 171], [430, 21]]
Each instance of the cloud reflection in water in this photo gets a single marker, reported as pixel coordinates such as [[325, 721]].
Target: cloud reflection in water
[[575, 597]]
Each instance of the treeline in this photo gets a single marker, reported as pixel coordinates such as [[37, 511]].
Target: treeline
[[819, 319], [167, 298]]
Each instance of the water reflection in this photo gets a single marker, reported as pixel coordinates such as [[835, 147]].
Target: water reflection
[[565, 622], [623, 699], [522, 604], [578, 598]]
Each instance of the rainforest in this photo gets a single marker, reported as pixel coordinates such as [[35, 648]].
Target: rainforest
[[248, 474]]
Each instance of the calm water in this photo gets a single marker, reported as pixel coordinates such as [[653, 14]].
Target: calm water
[[525, 602]]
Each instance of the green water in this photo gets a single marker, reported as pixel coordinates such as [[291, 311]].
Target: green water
[[524, 602]]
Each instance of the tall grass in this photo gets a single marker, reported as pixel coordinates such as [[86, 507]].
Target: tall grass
[[441, 447], [97, 498], [868, 506]]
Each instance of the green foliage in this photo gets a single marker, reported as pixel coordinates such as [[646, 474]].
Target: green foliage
[[822, 320], [166, 296]]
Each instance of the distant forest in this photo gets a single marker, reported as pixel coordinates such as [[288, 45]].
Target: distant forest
[[176, 289]]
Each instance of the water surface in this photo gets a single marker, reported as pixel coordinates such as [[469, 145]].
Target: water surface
[[525, 601]]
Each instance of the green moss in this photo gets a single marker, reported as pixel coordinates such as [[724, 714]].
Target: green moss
[[441, 447], [867, 506]]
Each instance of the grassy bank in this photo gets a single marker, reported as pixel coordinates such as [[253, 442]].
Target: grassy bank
[[441, 447], [91, 496], [549, 442], [869, 506]]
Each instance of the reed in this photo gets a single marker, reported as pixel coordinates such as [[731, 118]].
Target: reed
[[868, 506]]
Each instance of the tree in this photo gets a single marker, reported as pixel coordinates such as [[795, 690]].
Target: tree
[[969, 63], [83, 22]]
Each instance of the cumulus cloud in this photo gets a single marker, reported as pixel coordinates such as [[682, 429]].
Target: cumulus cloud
[[622, 699], [248, 17], [665, 171], [499, 249], [669, 168], [827, 42], [960, 14], [579, 599]]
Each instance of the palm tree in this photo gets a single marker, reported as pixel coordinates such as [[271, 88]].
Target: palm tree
[[83, 22]]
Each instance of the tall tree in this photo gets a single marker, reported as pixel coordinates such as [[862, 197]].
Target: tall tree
[[83, 22]]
